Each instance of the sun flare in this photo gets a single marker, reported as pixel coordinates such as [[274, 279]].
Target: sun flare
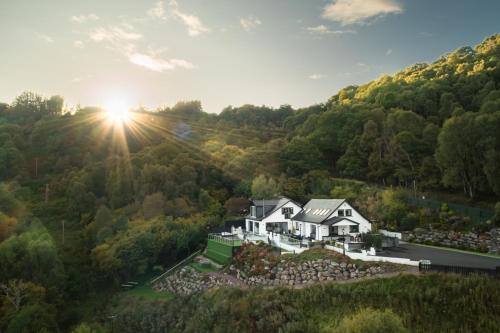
[[117, 111]]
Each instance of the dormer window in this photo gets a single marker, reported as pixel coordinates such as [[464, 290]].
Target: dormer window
[[287, 211]]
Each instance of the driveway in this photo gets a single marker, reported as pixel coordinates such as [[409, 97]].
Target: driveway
[[440, 256]]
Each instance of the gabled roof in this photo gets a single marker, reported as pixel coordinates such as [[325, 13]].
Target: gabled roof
[[318, 210], [269, 206], [337, 219]]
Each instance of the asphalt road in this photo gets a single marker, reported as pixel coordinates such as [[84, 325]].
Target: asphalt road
[[440, 256]]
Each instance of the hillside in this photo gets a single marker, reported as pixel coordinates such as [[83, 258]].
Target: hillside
[[86, 204]]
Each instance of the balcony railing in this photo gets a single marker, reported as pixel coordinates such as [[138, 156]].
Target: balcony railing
[[231, 240]]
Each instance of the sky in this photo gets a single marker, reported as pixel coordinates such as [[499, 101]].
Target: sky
[[223, 52]]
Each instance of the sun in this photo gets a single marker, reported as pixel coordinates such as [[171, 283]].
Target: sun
[[117, 111]]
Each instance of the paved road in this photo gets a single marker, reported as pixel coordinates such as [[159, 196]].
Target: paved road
[[439, 256]]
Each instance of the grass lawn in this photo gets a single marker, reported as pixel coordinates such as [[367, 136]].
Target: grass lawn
[[147, 292], [491, 255]]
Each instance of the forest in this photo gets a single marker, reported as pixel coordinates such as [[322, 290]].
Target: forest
[[86, 204]]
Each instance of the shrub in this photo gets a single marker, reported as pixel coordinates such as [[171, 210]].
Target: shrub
[[409, 222], [371, 321], [372, 240]]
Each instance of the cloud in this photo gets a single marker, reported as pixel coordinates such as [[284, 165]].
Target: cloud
[[158, 64], [249, 23], [158, 11], [192, 22], [316, 76], [114, 33], [123, 39], [45, 38], [388, 52], [324, 30], [84, 18], [78, 44], [359, 11]]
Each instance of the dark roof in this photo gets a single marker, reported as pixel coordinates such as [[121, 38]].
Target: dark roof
[[336, 219], [269, 206], [318, 210]]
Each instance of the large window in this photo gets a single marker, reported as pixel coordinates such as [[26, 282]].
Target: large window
[[353, 229], [277, 227], [287, 211], [253, 211]]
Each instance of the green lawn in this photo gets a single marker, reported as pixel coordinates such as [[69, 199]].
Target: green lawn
[[147, 292], [491, 255]]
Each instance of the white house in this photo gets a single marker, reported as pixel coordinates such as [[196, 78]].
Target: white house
[[271, 215], [321, 218]]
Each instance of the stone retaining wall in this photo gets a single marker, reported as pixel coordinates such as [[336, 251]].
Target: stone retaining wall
[[187, 280], [486, 242], [308, 272]]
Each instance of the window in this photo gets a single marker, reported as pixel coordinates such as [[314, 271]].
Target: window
[[348, 212], [313, 231], [287, 211], [353, 229], [253, 211], [341, 212]]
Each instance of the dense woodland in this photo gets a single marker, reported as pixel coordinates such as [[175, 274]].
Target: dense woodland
[[86, 204]]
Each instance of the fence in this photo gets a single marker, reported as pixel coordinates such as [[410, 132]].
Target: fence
[[476, 214], [229, 240], [173, 268], [427, 266]]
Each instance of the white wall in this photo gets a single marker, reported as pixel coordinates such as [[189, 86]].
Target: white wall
[[366, 257], [364, 225], [398, 235], [276, 216]]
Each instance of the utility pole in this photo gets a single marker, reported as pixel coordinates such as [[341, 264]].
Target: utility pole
[[62, 222], [47, 193]]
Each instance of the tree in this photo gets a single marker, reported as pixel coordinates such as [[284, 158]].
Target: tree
[[301, 156], [263, 187], [32, 256], [236, 205], [85, 328], [29, 102], [294, 188], [34, 318], [153, 205], [462, 147], [55, 105]]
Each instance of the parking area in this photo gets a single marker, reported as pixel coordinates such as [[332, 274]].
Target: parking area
[[440, 256]]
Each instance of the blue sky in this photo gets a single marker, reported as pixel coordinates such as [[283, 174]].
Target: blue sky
[[224, 52]]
